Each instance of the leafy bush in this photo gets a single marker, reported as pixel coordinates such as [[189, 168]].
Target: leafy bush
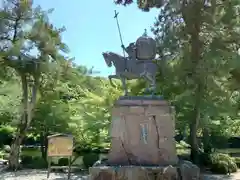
[[222, 163], [6, 148], [38, 163], [183, 145], [5, 156], [204, 159], [90, 159], [185, 157], [27, 148], [26, 159], [33, 162], [237, 160], [6, 134], [63, 162], [1, 154]]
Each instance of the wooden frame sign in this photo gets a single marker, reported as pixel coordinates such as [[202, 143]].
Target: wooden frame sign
[[60, 145]]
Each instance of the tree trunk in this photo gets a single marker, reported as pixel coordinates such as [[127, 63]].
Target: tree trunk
[[44, 144], [193, 135], [194, 124], [15, 152], [24, 122], [207, 146], [15, 147], [192, 14]]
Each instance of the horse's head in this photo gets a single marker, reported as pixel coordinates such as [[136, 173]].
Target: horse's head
[[107, 58]]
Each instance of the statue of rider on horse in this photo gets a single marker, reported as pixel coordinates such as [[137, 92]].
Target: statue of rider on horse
[[139, 63]]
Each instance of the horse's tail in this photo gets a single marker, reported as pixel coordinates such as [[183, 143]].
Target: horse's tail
[[110, 80]]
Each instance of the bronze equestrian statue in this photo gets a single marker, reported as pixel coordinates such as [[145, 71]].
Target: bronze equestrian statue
[[138, 64]]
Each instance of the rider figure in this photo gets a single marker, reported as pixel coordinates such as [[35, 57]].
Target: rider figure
[[131, 51]]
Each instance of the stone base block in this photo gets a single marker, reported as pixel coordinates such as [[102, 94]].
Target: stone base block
[[142, 132], [185, 171]]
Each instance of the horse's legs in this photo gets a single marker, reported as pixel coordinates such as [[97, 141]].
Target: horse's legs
[[147, 79], [151, 83], [110, 77], [123, 79], [154, 88]]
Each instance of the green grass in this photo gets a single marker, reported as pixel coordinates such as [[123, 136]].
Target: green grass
[[34, 152], [31, 152], [180, 151], [229, 150]]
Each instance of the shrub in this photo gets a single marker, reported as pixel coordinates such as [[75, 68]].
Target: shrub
[[237, 160], [5, 156], [6, 134], [26, 159], [90, 159], [1, 154], [204, 159], [31, 148], [33, 162], [185, 157], [6, 148], [183, 144], [63, 162], [222, 163], [38, 163]]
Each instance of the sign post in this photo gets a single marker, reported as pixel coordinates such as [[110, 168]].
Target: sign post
[[60, 145]]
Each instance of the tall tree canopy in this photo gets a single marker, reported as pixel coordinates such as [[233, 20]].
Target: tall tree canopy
[[198, 41]]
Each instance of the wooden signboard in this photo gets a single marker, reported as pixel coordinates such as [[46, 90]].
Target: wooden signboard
[[60, 146]]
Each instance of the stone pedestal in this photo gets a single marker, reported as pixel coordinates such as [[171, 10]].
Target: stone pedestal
[[184, 171], [142, 132], [142, 144], [133, 173]]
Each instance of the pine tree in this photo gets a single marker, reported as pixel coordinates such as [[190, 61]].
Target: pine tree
[[29, 45]]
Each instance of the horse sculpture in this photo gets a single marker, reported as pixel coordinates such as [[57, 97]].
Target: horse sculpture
[[131, 69]]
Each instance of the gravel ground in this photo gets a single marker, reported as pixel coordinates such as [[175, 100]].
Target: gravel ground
[[38, 175], [234, 176], [42, 175]]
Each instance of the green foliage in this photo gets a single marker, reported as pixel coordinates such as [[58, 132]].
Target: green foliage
[[222, 163], [198, 46], [6, 135], [145, 5], [205, 159], [68, 99], [182, 145], [89, 159], [2, 154], [26, 159], [32, 46], [39, 163], [6, 148], [63, 162], [237, 159], [33, 162]]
